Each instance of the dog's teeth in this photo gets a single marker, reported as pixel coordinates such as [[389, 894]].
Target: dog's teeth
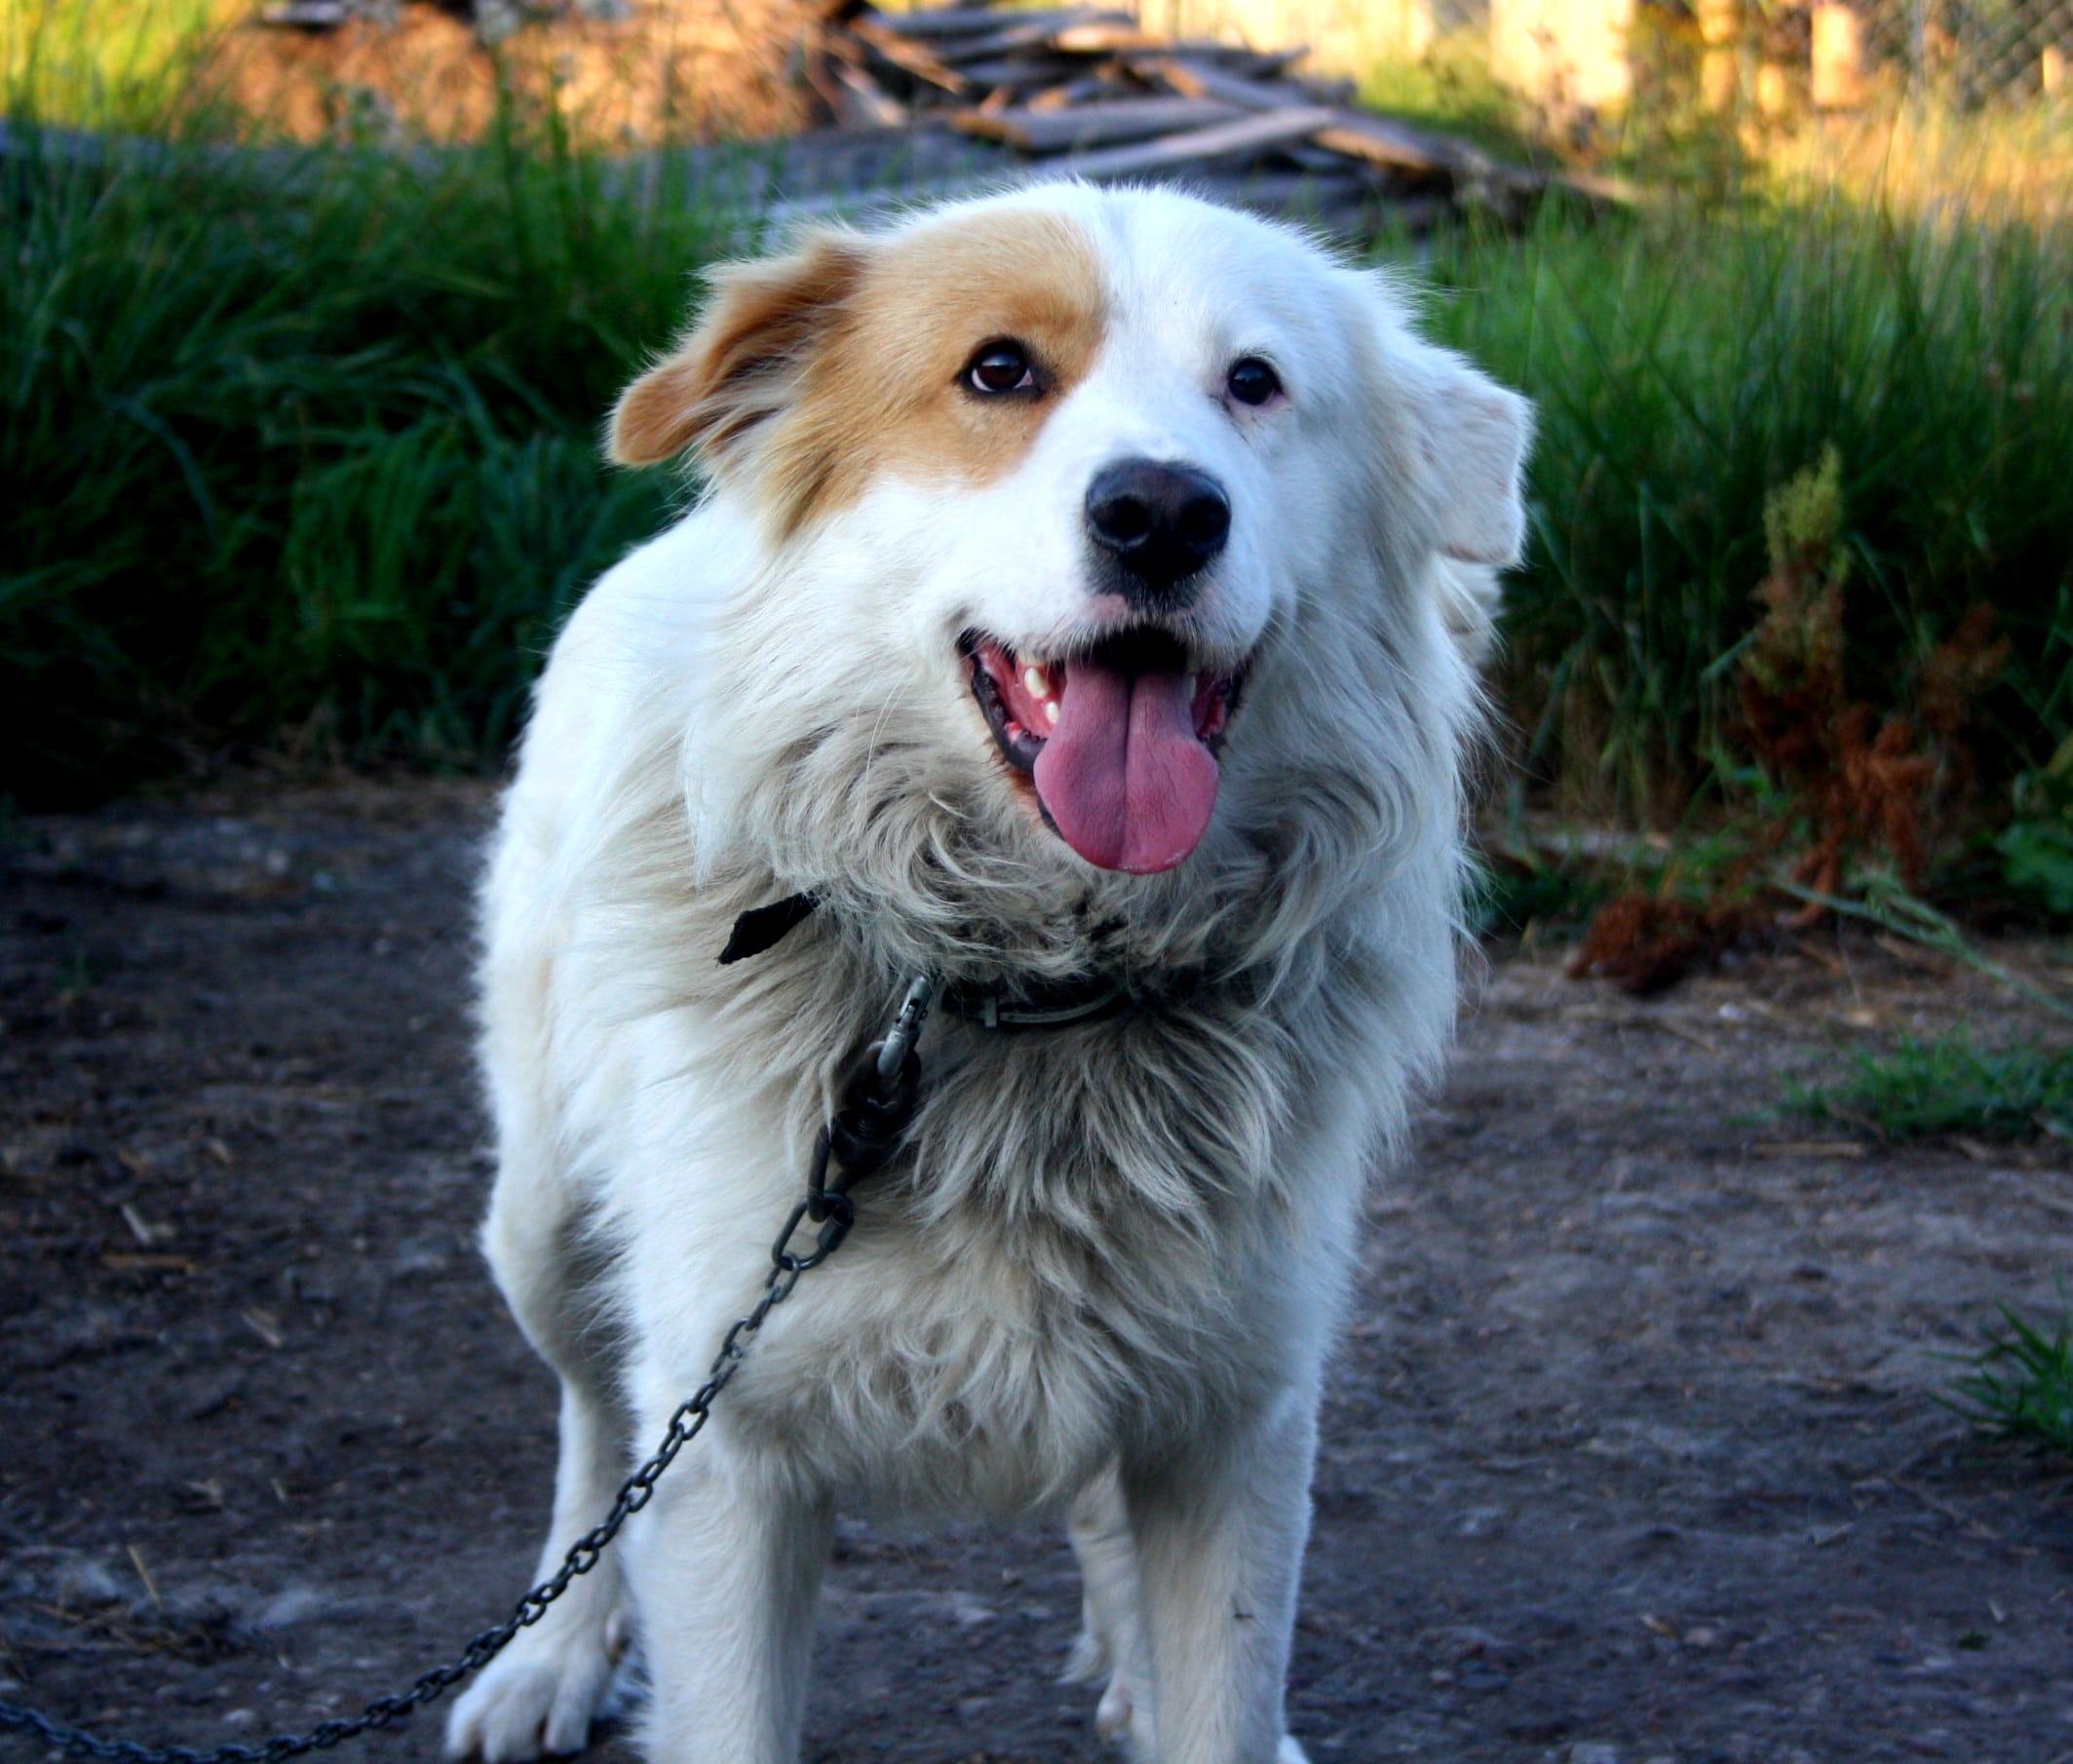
[[1193, 685], [1051, 709], [1037, 680]]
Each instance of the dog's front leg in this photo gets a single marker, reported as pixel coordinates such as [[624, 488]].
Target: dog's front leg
[[1219, 1533], [724, 1578]]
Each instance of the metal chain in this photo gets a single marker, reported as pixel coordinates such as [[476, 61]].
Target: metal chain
[[882, 1092]]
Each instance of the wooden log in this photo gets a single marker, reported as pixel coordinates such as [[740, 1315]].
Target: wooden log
[[1384, 142], [1255, 64], [1197, 146], [1289, 192], [1022, 73], [866, 101], [306, 15], [944, 22], [1085, 91], [1107, 39], [909, 58], [1381, 140], [1016, 36], [1094, 125]]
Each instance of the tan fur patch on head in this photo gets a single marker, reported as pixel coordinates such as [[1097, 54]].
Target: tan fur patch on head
[[886, 390], [848, 359]]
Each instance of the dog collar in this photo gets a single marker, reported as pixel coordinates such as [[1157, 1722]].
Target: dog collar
[[761, 928], [1040, 1003]]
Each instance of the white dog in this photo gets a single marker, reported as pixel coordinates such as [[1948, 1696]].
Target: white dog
[[1083, 612]]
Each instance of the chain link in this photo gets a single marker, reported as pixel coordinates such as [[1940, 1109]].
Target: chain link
[[878, 1079]]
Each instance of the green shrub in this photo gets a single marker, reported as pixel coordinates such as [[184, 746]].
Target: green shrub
[[306, 443], [1685, 366]]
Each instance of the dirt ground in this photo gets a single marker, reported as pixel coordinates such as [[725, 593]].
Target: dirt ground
[[1633, 1454]]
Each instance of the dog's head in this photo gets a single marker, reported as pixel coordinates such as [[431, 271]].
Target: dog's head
[[1100, 502]]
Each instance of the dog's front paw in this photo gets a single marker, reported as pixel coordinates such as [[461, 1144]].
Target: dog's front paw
[[1124, 1717], [534, 1701]]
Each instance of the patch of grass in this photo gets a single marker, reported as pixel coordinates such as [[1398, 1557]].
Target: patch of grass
[[126, 67], [1686, 364], [1920, 1088], [301, 449], [2020, 1385], [1449, 87], [1919, 157]]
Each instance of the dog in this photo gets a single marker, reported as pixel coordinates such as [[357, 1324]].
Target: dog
[[1082, 611]]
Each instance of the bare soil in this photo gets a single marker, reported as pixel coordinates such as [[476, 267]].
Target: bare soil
[[1634, 1451]]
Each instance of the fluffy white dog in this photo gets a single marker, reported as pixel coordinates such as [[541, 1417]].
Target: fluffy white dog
[[1082, 613]]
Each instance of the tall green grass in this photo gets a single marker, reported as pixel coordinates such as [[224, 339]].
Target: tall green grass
[[300, 453], [127, 66], [302, 447], [1687, 363]]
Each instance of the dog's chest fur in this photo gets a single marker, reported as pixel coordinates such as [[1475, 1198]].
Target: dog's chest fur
[[1060, 1261]]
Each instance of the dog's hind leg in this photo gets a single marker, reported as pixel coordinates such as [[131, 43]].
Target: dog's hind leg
[[541, 1693], [1219, 1534], [725, 1575], [1111, 1615]]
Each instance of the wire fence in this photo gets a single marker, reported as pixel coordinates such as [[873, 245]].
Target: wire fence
[[1962, 52], [1976, 51]]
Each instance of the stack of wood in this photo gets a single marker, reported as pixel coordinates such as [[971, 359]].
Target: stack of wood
[[1091, 94]]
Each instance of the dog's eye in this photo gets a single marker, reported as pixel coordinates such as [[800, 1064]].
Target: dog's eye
[[1252, 381], [1002, 367]]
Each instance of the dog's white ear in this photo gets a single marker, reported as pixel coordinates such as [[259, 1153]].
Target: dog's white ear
[[739, 365], [1474, 435]]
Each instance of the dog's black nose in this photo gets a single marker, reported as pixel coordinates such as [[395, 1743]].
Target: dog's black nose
[[1161, 524]]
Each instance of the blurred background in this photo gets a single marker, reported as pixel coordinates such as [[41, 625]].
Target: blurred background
[[312, 309], [1708, 1394]]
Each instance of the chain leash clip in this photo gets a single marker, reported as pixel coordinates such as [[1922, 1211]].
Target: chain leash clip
[[878, 1100]]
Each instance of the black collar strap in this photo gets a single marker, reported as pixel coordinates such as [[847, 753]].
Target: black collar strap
[[1040, 1004], [761, 928]]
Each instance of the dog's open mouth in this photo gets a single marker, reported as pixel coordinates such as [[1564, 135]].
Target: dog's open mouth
[[1120, 741]]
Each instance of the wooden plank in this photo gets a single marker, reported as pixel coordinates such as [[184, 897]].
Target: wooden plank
[[1289, 192], [1022, 72], [306, 15], [1265, 64], [1381, 140], [1017, 36], [1081, 90], [868, 102], [909, 58], [1197, 146], [1106, 39], [1102, 125], [943, 22]]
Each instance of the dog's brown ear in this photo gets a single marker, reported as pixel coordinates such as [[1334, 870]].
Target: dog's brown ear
[[1474, 435], [739, 366]]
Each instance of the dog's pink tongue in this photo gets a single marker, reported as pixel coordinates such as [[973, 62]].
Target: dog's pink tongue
[[1122, 774]]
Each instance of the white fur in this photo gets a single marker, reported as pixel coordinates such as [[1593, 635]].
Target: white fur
[[1107, 1273]]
